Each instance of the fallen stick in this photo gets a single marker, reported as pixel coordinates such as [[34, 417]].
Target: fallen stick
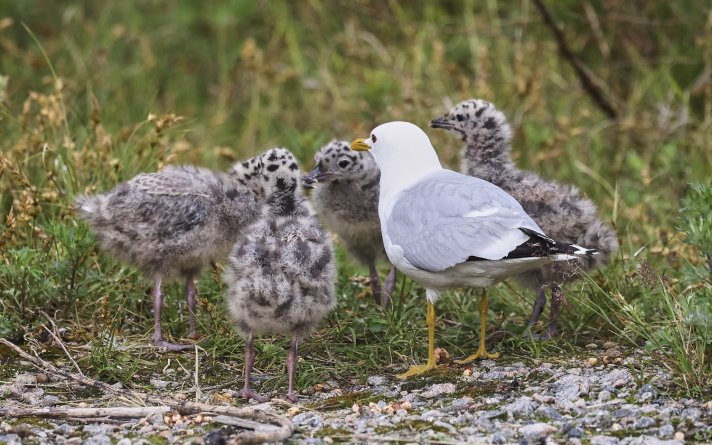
[[282, 430], [242, 423], [60, 412]]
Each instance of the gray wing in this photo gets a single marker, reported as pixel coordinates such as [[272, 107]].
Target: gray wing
[[447, 217]]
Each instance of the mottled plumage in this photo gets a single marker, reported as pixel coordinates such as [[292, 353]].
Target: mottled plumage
[[346, 200], [281, 274], [559, 209], [174, 222]]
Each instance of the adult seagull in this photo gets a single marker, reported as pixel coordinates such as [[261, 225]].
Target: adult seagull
[[447, 230]]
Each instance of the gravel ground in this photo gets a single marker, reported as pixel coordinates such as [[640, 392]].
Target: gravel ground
[[604, 397]]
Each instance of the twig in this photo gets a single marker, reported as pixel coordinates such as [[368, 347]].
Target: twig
[[59, 341], [242, 423], [582, 72], [196, 374], [378, 438], [60, 412], [284, 427]]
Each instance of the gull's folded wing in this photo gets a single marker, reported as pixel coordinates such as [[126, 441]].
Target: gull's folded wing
[[447, 218]]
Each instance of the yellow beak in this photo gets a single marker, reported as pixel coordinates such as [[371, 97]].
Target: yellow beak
[[360, 145]]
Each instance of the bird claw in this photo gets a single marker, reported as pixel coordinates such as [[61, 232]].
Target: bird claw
[[248, 394], [417, 370], [544, 336], [293, 397], [481, 353], [385, 300]]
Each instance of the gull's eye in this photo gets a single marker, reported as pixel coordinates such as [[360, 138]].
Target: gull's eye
[[373, 137], [343, 163], [460, 117]]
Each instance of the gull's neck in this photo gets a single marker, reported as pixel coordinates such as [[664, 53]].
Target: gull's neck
[[399, 174]]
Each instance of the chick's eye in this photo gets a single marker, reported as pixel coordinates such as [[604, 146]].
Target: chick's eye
[[343, 163], [460, 117], [373, 137]]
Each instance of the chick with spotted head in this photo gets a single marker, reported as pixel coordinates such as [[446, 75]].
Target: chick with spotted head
[[346, 200], [560, 209], [281, 272]]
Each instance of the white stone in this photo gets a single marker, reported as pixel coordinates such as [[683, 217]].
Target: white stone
[[537, 430]]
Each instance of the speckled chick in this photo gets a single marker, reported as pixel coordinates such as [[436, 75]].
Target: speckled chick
[[281, 273], [346, 200], [559, 209], [174, 222]]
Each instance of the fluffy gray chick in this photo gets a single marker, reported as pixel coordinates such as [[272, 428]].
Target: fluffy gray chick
[[174, 222], [559, 209], [346, 200], [281, 273]]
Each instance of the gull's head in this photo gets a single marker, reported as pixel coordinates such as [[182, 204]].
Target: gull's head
[[398, 141], [477, 122], [402, 151]]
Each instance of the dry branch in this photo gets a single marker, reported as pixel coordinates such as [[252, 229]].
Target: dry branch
[[582, 71], [274, 428], [60, 412]]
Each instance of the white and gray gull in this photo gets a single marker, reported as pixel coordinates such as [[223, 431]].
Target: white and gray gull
[[559, 209], [447, 230], [281, 273], [174, 222], [346, 200]]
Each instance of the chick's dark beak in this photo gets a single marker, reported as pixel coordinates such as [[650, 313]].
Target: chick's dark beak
[[441, 122], [315, 176], [308, 183]]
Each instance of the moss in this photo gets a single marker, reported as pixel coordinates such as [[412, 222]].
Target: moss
[[32, 421], [156, 440], [328, 432], [477, 389], [442, 374], [347, 400], [414, 425]]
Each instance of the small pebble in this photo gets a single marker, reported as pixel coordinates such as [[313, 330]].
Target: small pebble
[[575, 432], [604, 396], [439, 389], [499, 438], [666, 431], [377, 380]]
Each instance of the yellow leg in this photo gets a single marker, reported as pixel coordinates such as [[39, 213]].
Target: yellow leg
[[419, 369], [481, 352]]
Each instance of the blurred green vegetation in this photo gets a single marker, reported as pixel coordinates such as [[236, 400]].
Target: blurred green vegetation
[[93, 92]]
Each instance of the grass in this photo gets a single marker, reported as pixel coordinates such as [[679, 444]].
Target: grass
[[92, 93]]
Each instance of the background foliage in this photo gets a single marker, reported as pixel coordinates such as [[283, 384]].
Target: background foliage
[[94, 92]]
